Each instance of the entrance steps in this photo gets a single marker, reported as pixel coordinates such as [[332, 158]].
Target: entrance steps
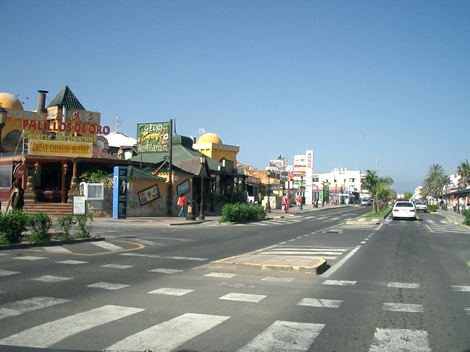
[[54, 210]]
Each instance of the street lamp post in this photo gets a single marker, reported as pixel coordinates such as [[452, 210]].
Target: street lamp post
[[268, 190], [301, 193], [3, 120], [202, 159]]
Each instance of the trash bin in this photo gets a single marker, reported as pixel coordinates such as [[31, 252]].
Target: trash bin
[[191, 210]]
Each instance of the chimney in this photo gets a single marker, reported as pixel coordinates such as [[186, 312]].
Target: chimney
[[42, 101]]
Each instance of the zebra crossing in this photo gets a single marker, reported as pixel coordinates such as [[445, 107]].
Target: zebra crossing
[[443, 226], [106, 246], [290, 220], [170, 333], [327, 253], [270, 222]]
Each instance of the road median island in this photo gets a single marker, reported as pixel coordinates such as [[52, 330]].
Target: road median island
[[363, 221], [51, 243], [261, 264]]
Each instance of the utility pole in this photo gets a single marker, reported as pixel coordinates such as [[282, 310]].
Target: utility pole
[[170, 181]]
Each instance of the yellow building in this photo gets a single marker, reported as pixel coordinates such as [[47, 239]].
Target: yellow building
[[211, 145], [65, 119]]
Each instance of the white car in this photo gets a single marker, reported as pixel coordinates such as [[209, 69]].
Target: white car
[[421, 206], [403, 209]]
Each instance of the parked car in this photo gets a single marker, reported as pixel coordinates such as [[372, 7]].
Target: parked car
[[402, 209], [421, 206], [365, 202]]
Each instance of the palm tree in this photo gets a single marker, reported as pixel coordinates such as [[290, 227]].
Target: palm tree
[[433, 169], [463, 170], [375, 185], [439, 182], [435, 181]]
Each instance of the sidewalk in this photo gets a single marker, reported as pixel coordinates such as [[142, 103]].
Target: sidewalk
[[178, 221], [456, 218]]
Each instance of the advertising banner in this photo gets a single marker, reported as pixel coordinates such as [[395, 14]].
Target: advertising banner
[[153, 137], [300, 164], [309, 177], [57, 148], [120, 193]]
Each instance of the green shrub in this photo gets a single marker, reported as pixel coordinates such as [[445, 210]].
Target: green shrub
[[12, 226], [40, 224], [83, 228], [239, 212], [65, 223], [432, 207], [466, 214]]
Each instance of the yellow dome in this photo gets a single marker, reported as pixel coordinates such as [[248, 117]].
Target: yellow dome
[[209, 138], [9, 101]]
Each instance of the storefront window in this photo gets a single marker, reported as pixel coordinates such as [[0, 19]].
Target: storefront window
[[5, 176]]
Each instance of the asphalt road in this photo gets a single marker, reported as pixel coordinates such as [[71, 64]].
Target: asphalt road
[[397, 286]]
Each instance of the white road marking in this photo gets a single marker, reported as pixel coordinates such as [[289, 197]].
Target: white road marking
[[165, 271], [221, 275], [338, 265], [50, 278], [29, 258], [29, 305], [339, 282], [285, 336], [116, 266], [72, 262], [48, 334], [170, 291], [460, 288], [169, 335], [162, 257], [7, 272], [400, 340], [403, 307], [108, 246], [107, 286], [243, 297], [278, 279], [320, 303], [56, 249], [402, 285]]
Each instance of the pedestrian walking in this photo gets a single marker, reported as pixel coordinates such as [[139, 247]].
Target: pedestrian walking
[[299, 201], [181, 203], [17, 196]]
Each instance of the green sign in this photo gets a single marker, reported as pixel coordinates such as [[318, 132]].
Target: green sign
[[153, 137], [326, 190]]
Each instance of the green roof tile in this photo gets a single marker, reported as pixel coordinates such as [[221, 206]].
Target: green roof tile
[[66, 98]]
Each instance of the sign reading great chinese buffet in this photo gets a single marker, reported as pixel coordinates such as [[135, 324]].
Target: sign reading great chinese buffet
[[57, 148], [153, 137]]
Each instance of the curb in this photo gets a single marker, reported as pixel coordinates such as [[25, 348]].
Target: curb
[[357, 222], [263, 264], [49, 243]]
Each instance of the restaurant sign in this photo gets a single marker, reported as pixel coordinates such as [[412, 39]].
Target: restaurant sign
[[57, 148], [153, 137]]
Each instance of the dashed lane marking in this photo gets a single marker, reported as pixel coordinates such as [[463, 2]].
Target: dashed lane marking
[[111, 247], [48, 334], [400, 340], [285, 336], [171, 334], [29, 305]]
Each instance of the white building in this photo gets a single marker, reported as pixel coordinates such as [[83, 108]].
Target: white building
[[341, 182]]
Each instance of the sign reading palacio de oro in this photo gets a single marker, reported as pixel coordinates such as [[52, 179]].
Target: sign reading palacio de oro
[[33, 129], [72, 139]]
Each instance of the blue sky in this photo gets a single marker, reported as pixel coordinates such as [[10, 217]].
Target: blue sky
[[355, 81]]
